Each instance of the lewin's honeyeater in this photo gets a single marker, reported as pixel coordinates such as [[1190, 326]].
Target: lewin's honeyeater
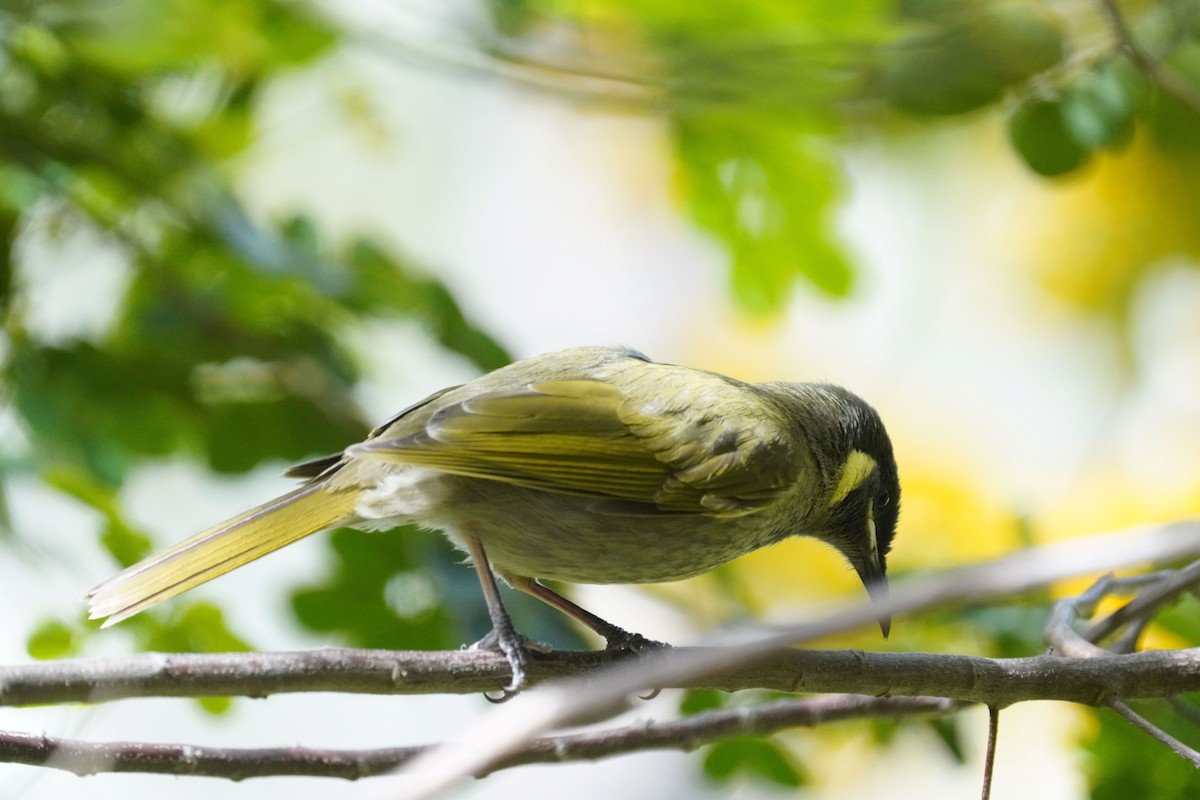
[[589, 465]]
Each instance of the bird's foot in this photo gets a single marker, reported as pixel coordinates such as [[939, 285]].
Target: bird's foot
[[515, 648], [620, 639]]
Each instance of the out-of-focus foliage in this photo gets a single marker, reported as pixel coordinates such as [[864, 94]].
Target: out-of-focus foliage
[[127, 120], [754, 758], [408, 592], [760, 95], [1124, 762], [225, 344]]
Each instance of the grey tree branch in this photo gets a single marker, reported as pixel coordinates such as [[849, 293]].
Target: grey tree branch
[[515, 730], [89, 758], [999, 681], [1166, 588], [509, 727], [1157, 590]]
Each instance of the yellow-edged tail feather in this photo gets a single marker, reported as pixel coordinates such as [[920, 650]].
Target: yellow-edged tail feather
[[218, 550]]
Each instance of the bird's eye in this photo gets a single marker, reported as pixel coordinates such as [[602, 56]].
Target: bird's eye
[[884, 499]]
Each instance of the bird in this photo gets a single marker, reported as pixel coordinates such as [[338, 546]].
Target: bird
[[591, 465]]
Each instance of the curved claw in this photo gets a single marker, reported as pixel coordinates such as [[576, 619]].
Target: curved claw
[[504, 697], [512, 645]]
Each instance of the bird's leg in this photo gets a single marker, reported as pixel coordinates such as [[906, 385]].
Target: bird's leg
[[503, 635], [615, 638]]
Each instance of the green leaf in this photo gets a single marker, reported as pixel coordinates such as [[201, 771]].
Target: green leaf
[[1098, 106], [127, 546], [1124, 762], [1020, 39], [761, 759], [973, 53], [354, 600], [239, 436], [1182, 618], [408, 589], [191, 627], [125, 543], [697, 700], [1172, 121], [768, 193], [52, 639], [215, 705], [1009, 631], [385, 285], [248, 36], [1039, 134], [947, 730], [938, 74]]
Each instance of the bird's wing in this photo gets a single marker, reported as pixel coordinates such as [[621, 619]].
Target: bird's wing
[[716, 449]]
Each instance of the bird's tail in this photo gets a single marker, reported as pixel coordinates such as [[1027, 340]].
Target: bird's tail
[[219, 549]]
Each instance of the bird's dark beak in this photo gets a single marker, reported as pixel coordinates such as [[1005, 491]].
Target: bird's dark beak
[[875, 580], [872, 572], [877, 589]]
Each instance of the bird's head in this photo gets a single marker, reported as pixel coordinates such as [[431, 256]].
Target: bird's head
[[864, 494]]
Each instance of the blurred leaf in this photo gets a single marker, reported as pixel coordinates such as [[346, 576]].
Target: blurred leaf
[[8, 235], [126, 544], [1021, 38], [250, 36], [761, 759], [1173, 122], [353, 601], [696, 701], [768, 193], [1013, 630], [938, 75], [408, 589], [239, 436], [1124, 762], [383, 285], [52, 639], [885, 730], [1098, 106], [1039, 133], [76, 403], [971, 56], [190, 627], [1182, 618], [947, 730]]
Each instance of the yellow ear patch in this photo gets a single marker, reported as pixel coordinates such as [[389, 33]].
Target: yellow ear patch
[[856, 469]]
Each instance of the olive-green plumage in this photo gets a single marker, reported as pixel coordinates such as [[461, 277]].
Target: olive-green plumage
[[592, 465]]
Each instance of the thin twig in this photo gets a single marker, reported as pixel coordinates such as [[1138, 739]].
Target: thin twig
[[89, 758], [1166, 589], [1060, 631], [989, 762], [1118, 705], [1157, 590], [592, 86]]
